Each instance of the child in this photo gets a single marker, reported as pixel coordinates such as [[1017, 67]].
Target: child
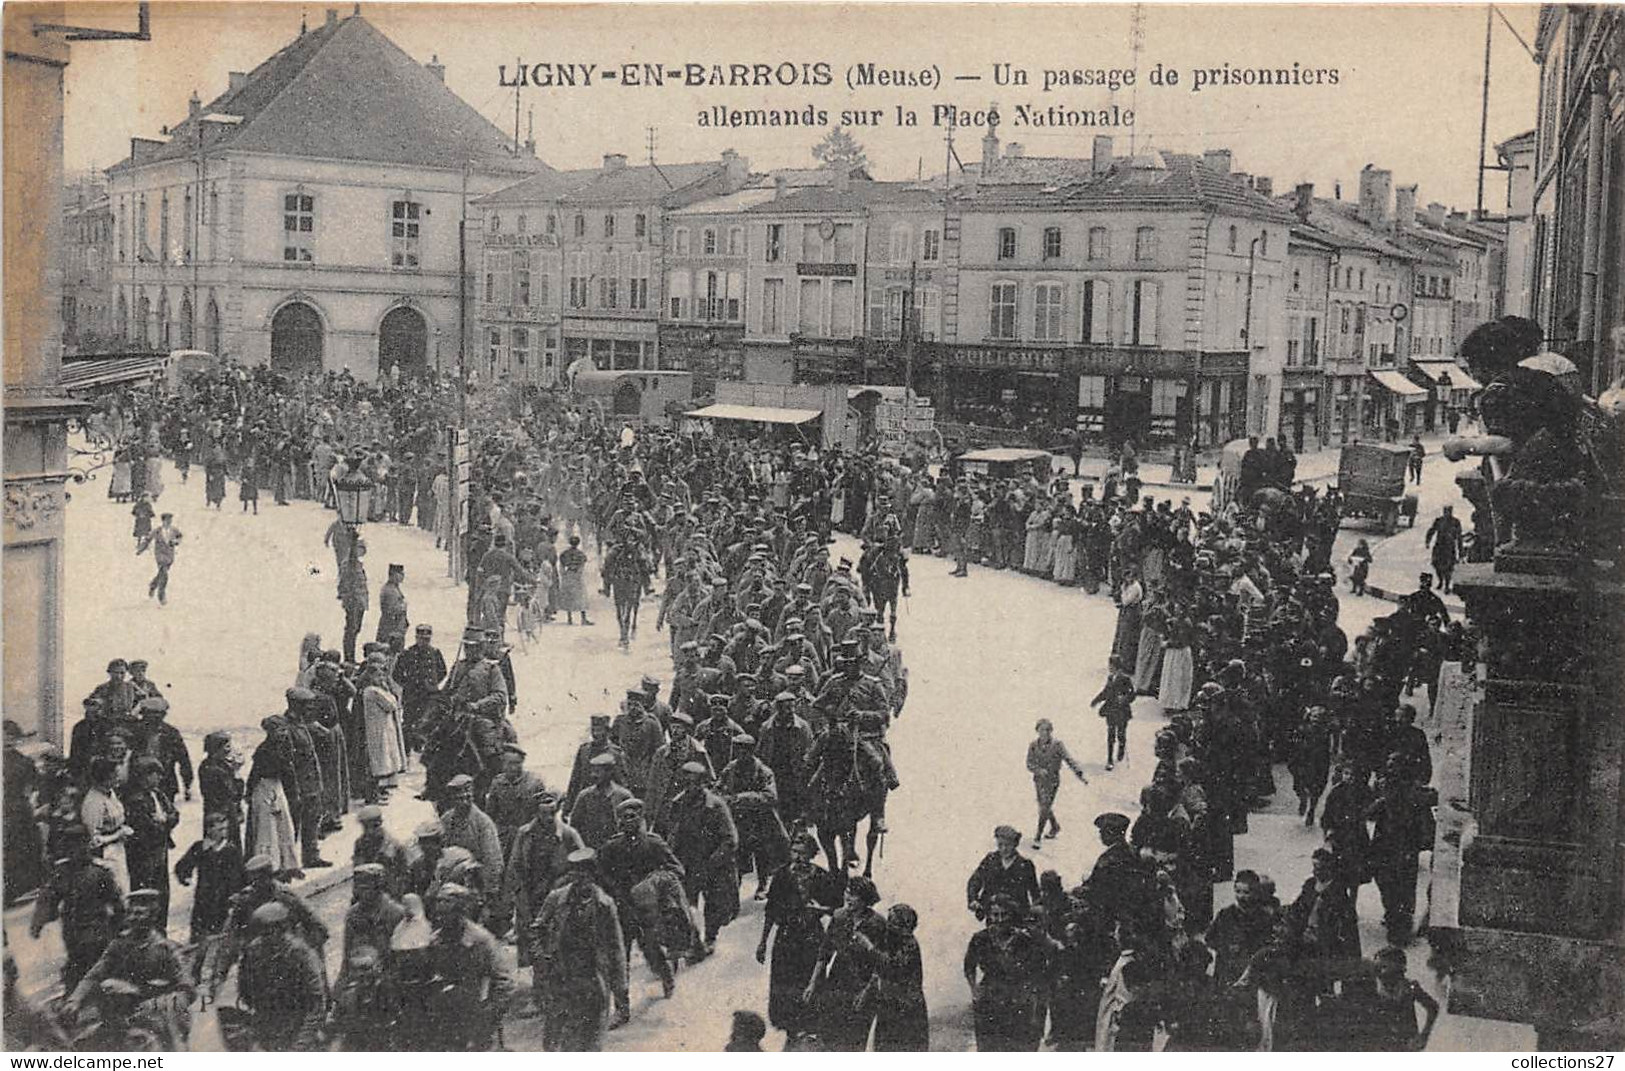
[[1044, 758], [1116, 703], [1360, 559], [142, 512], [219, 868]]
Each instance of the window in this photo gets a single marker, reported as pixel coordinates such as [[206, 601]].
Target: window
[[736, 296], [164, 252], [521, 278], [842, 298], [1293, 327], [1362, 278], [579, 278], [519, 345], [708, 242], [1007, 243], [736, 241], [143, 253], [187, 229], [523, 226], [677, 295], [1091, 392], [931, 245], [496, 224], [609, 224], [679, 241], [930, 312], [552, 223], [1100, 247], [1145, 311], [298, 226], [496, 278], [403, 231], [1264, 244], [812, 307], [637, 282], [773, 251], [1002, 310], [772, 305], [1444, 286], [640, 226], [712, 309], [1052, 243], [1232, 242], [1145, 243], [812, 244], [119, 226], [1047, 300], [493, 347], [580, 225], [1297, 280], [895, 300], [845, 243], [902, 243], [1343, 320], [1097, 315], [544, 286], [1311, 343]]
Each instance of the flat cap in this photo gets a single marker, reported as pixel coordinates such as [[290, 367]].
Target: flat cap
[[431, 828], [694, 768], [603, 758], [370, 813], [461, 781], [1112, 822], [157, 704], [744, 740], [628, 805], [682, 717], [273, 913], [581, 857], [144, 897], [367, 873]]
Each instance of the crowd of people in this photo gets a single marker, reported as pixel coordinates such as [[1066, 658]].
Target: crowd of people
[[767, 751]]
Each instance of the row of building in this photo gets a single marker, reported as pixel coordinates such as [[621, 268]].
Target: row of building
[[1160, 296]]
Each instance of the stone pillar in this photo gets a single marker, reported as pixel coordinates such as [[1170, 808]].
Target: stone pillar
[[36, 417]]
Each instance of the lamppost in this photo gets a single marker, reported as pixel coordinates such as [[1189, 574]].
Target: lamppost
[[353, 493], [1445, 403]]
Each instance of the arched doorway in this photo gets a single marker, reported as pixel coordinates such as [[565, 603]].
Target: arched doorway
[[211, 328], [403, 341], [123, 324], [143, 318], [296, 340], [186, 322]]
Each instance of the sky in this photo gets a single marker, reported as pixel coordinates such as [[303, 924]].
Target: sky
[[1407, 95]]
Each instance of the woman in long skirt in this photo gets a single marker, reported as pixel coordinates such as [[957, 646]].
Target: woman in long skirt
[[1037, 528], [1178, 668], [214, 478], [1126, 640], [1148, 657], [1064, 527], [386, 749], [799, 896], [118, 488], [248, 490], [155, 475], [902, 1023], [270, 819]]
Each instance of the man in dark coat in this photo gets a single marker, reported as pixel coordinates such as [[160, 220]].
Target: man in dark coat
[[156, 739], [592, 812], [1119, 880], [640, 871], [598, 742], [536, 864], [307, 767], [639, 733], [419, 669], [748, 786], [1324, 919], [282, 983], [83, 893], [706, 841], [580, 958], [1003, 871]]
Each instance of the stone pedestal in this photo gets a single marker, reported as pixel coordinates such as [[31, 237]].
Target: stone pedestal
[[1527, 868]]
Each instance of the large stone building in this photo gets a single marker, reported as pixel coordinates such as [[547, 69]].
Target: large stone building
[[308, 217], [87, 268]]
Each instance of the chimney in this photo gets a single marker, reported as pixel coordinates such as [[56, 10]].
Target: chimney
[[194, 106], [1303, 200], [736, 170], [842, 179], [614, 161], [1246, 179], [1376, 191], [1264, 185], [990, 153], [436, 68], [1101, 159], [780, 185], [1217, 160], [236, 80], [1405, 207], [1435, 214], [332, 16], [1013, 151], [1337, 191]]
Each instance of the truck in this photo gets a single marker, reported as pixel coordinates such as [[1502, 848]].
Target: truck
[[1371, 481]]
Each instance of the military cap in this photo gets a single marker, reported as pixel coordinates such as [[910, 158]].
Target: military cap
[[797, 670], [1112, 822], [299, 695], [581, 857], [603, 758], [682, 717], [143, 897], [118, 665], [745, 740], [649, 683], [373, 646], [431, 828], [370, 813], [367, 873], [156, 704], [694, 768], [451, 891], [844, 563], [424, 630], [785, 697], [1006, 833], [460, 782], [513, 749], [547, 798], [599, 719], [720, 700], [688, 645], [258, 862], [138, 663], [634, 693], [804, 587], [626, 805], [473, 634]]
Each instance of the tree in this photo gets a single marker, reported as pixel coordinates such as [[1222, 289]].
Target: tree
[[840, 150]]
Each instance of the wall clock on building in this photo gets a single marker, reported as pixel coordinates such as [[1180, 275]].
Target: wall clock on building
[[1398, 311], [826, 229]]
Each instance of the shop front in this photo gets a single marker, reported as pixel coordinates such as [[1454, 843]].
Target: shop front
[[1302, 399], [1394, 407], [616, 345], [1450, 388], [710, 352]]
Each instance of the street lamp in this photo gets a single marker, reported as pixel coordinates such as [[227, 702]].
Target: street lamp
[[353, 492]]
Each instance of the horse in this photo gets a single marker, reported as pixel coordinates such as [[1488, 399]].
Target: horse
[[625, 575], [848, 786]]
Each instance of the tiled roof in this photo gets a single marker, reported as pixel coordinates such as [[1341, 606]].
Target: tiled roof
[[1339, 222], [643, 184], [547, 186], [1031, 170], [1158, 180], [345, 91], [858, 196]]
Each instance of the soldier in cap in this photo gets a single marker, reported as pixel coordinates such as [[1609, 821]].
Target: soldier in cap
[[1003, 872], [374, 845], [638, 868], [115, 1029], [431, 843], [651, 691], [305, 794], [1120, 881], [716, 733], [467, 826], [511, 799], [373, 913], [467, 965], [83, 893], [598, 742], [145, 958], [155, 738], [420, 669], [751, 791], [705, 839], [535, 864], [592, 812], [580, 958], [392, 619], [282, 983], [664, 769], [152, 819], [639, 734]]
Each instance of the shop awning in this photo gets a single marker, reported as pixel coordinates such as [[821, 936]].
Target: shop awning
[[1460, 379], [1394, 383], [110, 371], [755, 414]]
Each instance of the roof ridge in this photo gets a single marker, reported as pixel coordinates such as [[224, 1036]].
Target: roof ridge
[[329, 33]]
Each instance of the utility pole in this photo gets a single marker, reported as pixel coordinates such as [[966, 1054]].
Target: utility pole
[[516, 119], [1484, 108], [650, 134], [910, 332], [1136, 45], [462, 307]]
